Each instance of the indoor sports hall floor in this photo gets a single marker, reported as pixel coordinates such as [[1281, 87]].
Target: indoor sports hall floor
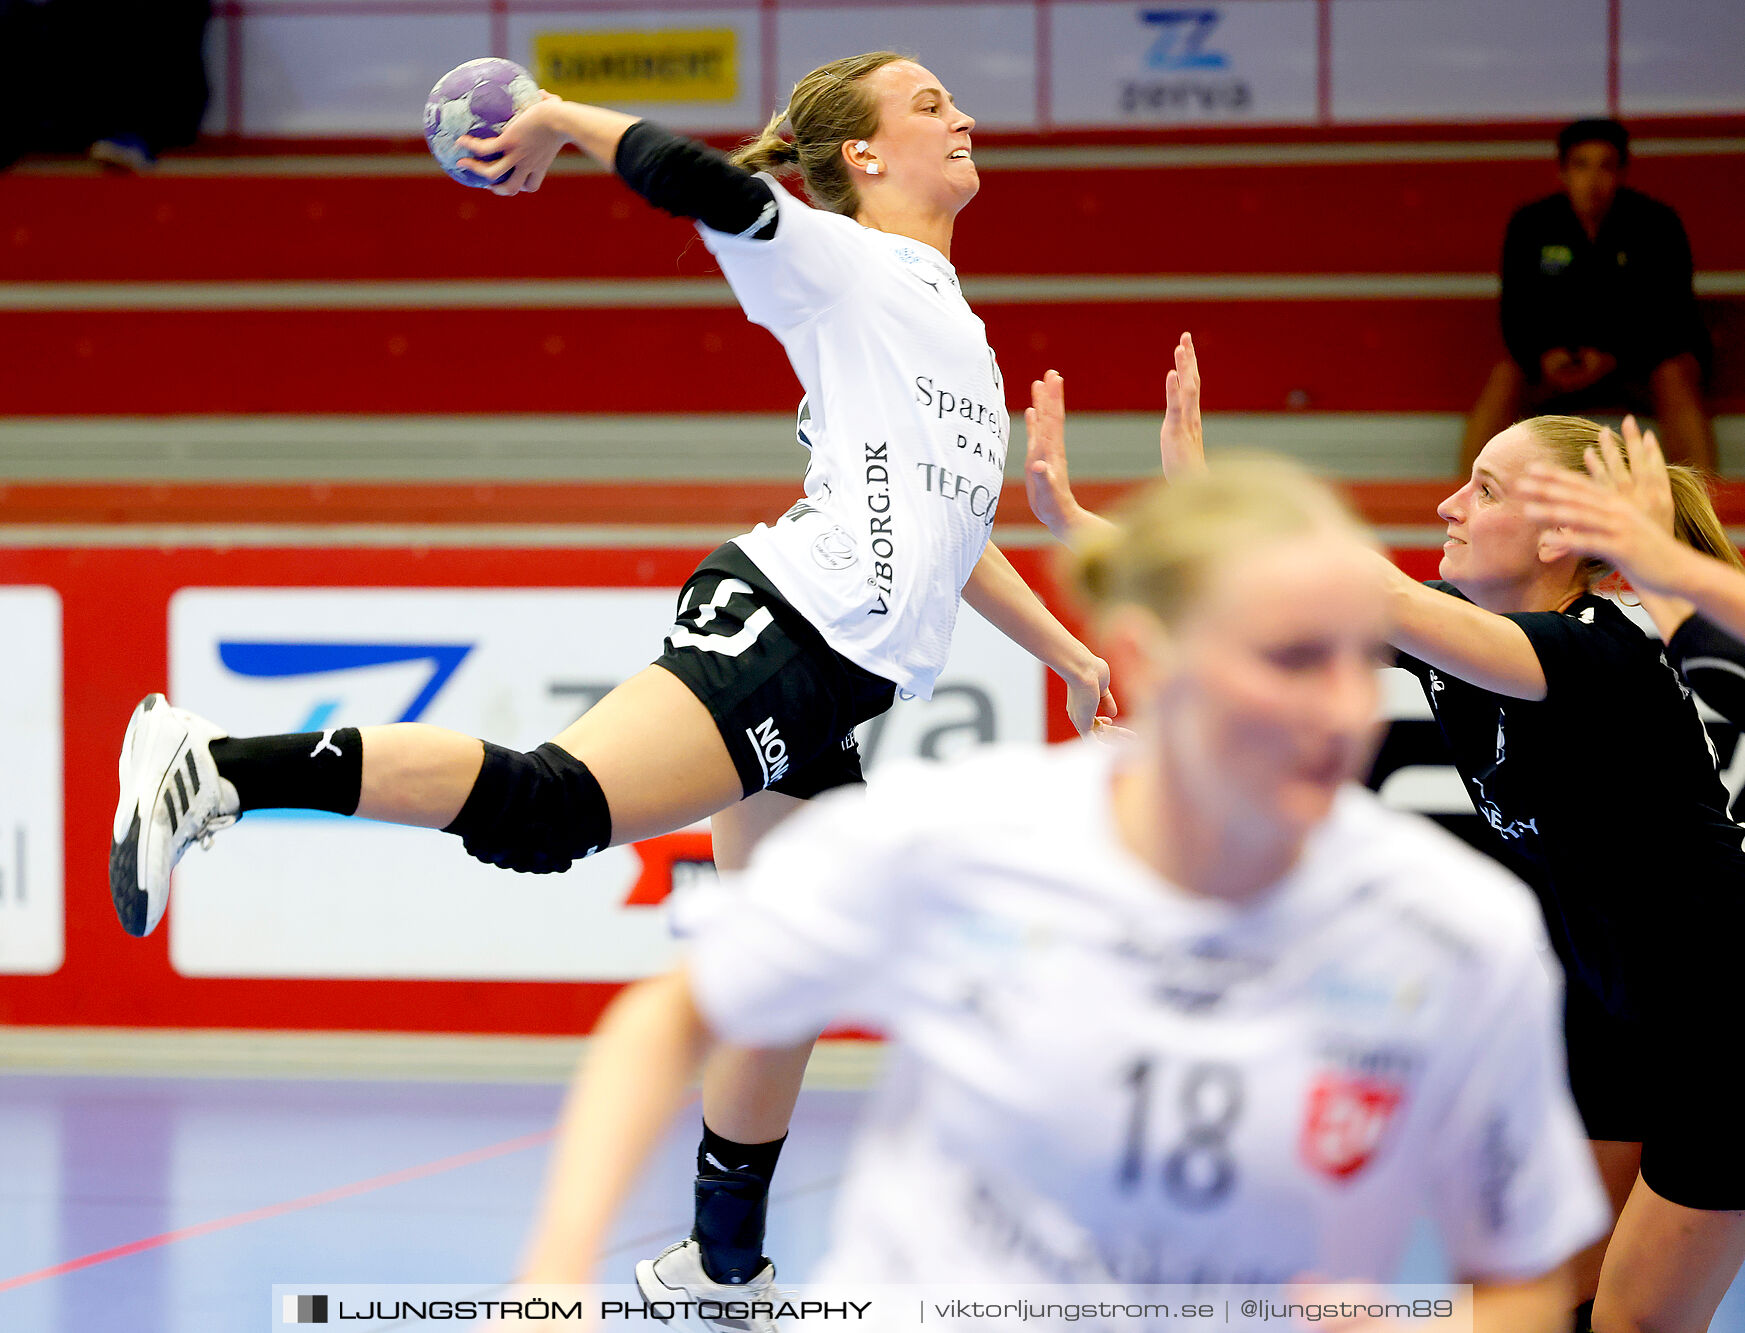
[[173, 1204]]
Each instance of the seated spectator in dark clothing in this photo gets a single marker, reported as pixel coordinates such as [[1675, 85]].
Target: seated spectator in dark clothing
[[1597, 308], [120, 79]]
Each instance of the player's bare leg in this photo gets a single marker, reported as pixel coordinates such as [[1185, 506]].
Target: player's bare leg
[[748, 1101], [651, 744], [648, 758], [1668, 1266], [657, 754], [417, 774], [1619, 1165], [748, 1094]]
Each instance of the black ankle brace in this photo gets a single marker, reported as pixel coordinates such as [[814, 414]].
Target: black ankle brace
[[732, 1207]]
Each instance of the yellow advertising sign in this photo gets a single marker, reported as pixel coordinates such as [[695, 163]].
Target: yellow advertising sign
[[693, 65]]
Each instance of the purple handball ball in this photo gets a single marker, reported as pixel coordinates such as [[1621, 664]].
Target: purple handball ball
[[476, 98]]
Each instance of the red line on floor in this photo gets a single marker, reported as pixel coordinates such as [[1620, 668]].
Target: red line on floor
[[280, 1209]]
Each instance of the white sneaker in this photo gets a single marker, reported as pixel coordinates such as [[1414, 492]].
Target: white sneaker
[[171, 795], [676, 1275]]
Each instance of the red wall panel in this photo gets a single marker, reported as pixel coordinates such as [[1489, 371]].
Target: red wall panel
[[1265, 216]]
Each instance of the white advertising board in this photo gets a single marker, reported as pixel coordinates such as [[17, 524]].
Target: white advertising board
[[1681, 57], [984, 54], [32, 845], [292, 895], [1236, 63], [350, 73], [1478, 60], [365, 70]]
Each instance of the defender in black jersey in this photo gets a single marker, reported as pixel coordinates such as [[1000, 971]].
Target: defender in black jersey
[[784, 639], [1583, 751]]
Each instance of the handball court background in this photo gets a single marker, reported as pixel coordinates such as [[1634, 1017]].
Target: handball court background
[[303, 365]]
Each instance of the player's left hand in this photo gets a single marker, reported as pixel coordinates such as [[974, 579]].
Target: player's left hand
[[1617, 512], [1644, 483], [525, 149], [1045, 480], [1090, 705], [1181, 440]]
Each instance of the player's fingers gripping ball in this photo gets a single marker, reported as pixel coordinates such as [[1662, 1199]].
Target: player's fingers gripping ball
[[476, 99]]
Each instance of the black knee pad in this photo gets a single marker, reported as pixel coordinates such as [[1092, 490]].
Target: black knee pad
[[537, 812]]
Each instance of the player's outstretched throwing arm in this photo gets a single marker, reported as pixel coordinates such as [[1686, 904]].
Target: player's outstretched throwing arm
[[679, 175]]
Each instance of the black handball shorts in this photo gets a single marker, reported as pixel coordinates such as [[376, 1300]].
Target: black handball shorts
[[786, 702], [1665, 1081]]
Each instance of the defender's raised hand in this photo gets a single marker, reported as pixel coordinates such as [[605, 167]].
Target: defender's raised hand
[[1183, 448], [1620, 512], [1045, 478]]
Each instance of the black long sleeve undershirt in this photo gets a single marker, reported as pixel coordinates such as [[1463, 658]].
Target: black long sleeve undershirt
[[691, 180], [1712, 663]]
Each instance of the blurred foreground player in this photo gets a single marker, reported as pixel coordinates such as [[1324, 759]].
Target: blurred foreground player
[[1190, 1009]]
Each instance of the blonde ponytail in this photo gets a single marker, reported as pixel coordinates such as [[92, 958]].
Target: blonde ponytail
[[1694, 520], [770, 151]]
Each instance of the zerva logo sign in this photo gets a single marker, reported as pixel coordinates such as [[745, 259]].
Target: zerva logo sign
[[1185, 76], [1181, 38], [285, 661]]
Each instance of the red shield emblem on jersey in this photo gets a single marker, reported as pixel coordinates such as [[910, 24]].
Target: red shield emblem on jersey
[[1347, 1117]]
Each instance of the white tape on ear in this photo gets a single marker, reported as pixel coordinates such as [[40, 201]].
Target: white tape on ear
[[872, 168], [860, 147]]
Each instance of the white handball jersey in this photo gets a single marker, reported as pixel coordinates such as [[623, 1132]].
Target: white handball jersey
[[905, 416], [1096, 1077]]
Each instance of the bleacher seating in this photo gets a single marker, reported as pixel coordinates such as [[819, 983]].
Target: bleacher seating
[[1333, 277]]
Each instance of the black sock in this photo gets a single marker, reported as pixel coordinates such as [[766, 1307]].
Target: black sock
[[757, 1158], [732, 1204], [313, 770], [1583, 1319]]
